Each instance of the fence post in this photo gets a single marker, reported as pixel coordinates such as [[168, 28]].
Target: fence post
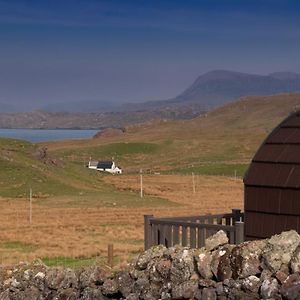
[[236, 214], [110, 255], [147, 232], [239, 232]]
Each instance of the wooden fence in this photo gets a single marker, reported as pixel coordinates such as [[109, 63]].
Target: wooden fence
[[192, 231]]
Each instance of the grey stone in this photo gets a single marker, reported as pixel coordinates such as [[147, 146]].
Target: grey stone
[[295, 261], [269, 288], [140, 285], [236, 294], [132, 296], [5, 295], [209, 294], [125, 283], [221, 290], [185, 290], [165, 296], [204, 259], [147, 256], [246, 259], [91, 277], [60, 278], [206, 283], [265, 274], [110, 287], [198, 294], [163, 267], [251, 283], [90, 293], [159, 270], [281, 276], [68, 294], [279, 250], [221, 263], [290, 288], [218, 239], [182, 266]]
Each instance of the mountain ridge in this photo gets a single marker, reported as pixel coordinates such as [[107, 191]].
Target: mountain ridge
[[217, 87], [209, 90]]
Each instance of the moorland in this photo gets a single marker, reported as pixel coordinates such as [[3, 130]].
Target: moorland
[[78, 211]]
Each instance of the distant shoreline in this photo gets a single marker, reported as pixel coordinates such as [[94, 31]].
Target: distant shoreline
[[38, 135], [55, 128]]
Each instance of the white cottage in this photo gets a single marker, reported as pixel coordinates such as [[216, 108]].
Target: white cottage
[[105, 166]]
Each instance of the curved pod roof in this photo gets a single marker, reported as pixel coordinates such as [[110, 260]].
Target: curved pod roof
[[272, 183]]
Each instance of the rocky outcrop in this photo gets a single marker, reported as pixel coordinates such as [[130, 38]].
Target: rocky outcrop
[[266, 269], [109, 132]]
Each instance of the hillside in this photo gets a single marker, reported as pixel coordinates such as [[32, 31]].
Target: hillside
[[43, 119], [229, 134], [77, 212], [220, 142]]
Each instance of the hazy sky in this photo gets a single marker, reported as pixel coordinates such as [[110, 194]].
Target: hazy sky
[[72, 50]]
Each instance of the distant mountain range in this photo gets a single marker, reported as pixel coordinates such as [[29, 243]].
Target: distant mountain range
[[218, 87], [210, 90]]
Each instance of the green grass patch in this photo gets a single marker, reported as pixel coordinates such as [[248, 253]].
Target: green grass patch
[[225, 152], [77, 262], [128, 148], [111, 150], [16, 178], [113, 199], [70, 261], [214, 169], [15, 145], [18, 246]]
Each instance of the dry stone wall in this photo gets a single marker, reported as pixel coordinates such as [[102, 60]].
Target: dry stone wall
[[265, 269]]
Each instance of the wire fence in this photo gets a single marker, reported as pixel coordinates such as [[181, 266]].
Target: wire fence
[[59, 232]]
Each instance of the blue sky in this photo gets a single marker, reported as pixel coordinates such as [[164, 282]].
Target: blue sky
[[64, 51]]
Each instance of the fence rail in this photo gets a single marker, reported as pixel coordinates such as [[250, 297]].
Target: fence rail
[[192, 230]]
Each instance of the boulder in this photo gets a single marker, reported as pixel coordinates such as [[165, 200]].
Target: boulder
[[110, 287], [125, 283], [290, 288], [246, 259], [251, 284], [204, 259], [209, 294], [92, 277], [269, 289], [221, 263], [90, 293], [147, 256], [295, 261], [182, 266], [185, 290], [218, 239], [279, 250]]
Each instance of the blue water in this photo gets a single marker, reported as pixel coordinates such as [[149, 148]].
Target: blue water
[[43, 135]]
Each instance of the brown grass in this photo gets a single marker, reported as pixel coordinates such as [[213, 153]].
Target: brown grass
[[85, 232]]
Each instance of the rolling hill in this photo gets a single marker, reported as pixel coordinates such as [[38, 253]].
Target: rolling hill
[[221, 142], [229, 134]]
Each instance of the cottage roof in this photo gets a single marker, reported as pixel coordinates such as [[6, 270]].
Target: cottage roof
[[104, 164]]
